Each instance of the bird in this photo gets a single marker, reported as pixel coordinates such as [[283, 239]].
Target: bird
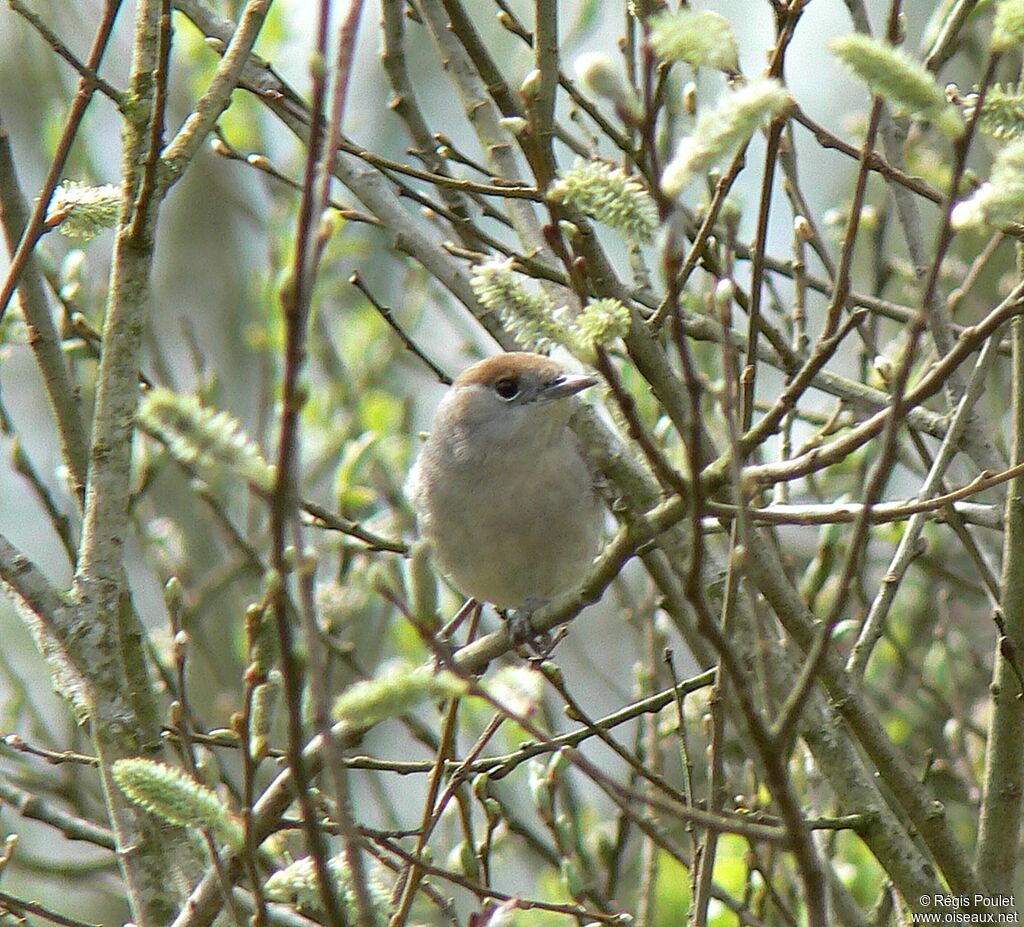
[[502, 491]]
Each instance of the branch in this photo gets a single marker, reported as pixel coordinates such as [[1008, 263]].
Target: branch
[[47, 617], [83, 97], [1000, 813], [183, 147], [43, 336], [765, 570], [103, 635], [53, 40], [36, 809], [874, 624]]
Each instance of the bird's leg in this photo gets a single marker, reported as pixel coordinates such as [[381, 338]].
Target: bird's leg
[[549, 642], [520, 626]]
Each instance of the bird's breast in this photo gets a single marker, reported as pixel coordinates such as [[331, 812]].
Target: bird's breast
[[507, 527]]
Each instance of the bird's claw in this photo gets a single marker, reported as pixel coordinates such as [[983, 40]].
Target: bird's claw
[[521, 631]]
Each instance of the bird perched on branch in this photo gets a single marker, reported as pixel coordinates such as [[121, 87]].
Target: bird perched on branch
[[501, 488]]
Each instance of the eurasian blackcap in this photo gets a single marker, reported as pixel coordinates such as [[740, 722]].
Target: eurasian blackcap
[[500, 487]]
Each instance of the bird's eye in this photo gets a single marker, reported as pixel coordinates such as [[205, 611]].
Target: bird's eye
[[507, 389]]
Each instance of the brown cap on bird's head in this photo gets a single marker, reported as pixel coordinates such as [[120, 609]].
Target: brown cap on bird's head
[[509, 375], [487, 371]]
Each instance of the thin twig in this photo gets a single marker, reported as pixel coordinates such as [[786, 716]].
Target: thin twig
[[87, 86], [388, 316]]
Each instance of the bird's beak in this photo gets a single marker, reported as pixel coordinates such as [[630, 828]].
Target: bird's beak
[[567, 385]]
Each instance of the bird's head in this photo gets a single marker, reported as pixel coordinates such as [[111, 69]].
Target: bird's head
[[512, 400]]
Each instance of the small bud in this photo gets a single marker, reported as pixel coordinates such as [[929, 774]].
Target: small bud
[[564, 831], [265, 699], [883, 367], [531, 84], [569, 229], [317, 66], [540, 791], [1001, 199], [514, 124], [222, 735], [553, 672], [690, 97], [901, 29], [286, 286], [604, 79], [19, 458], [262, 639], [492, 809], [481, 782], [72, 265], [558, 765], [174, 594], [966, 214], [572, 881], [328, 223], [208, 770], [423, 584], [307, 562], [467, 859], [725, 292], [845, 631]]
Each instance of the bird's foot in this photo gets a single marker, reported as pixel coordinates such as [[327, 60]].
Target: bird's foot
[[521, 631]]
